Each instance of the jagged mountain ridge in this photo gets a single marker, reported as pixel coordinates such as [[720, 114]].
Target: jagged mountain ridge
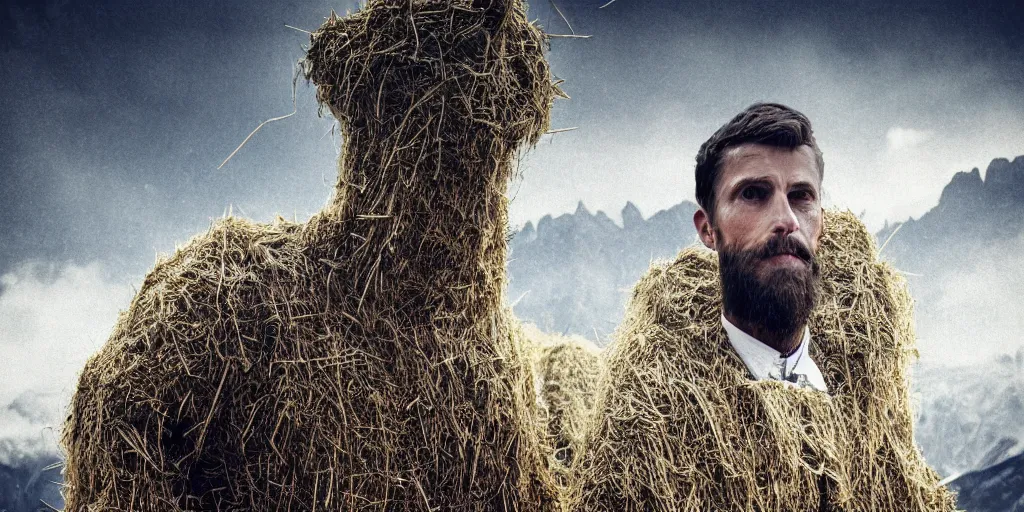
[[972, 212], [999, 488], [573, 273]]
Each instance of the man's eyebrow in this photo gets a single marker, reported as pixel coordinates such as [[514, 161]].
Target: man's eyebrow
[[803, 185], [757, 180], [767, 180]]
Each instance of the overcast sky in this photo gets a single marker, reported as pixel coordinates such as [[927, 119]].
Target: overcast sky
[[114, 116]]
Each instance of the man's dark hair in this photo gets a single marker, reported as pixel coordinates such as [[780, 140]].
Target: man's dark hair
[[763, 123]]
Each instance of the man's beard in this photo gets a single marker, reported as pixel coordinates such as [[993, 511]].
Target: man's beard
[[779, 304]]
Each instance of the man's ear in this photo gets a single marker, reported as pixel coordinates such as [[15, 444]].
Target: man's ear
[[704, 229]]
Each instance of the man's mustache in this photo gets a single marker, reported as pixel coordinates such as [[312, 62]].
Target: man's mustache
[[785, 244]]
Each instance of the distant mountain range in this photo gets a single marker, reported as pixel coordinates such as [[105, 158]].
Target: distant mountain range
[[573, 273]]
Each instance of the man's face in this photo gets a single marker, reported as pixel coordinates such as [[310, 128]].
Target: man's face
[[766, 229]]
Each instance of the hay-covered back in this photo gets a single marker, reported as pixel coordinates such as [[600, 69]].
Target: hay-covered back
[[679, 425], [363, 360]]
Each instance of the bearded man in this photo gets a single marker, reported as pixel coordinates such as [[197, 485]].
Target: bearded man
[[759, 190], [770, 374]]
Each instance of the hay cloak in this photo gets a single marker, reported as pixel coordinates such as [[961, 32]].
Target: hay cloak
[[679, 426], [363, 360]]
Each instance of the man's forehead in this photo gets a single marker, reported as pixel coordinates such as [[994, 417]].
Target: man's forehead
[[752, 160]]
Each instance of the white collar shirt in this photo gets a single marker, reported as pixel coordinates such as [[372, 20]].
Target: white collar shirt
[[766, 363]]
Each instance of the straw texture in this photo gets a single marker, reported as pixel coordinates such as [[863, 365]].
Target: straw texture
[[567, 372]]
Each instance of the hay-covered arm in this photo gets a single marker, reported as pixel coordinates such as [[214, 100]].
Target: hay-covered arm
[[864, 343]]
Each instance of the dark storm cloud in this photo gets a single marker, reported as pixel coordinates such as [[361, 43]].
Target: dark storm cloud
[[635, 40], [862, 29], [116, 114]]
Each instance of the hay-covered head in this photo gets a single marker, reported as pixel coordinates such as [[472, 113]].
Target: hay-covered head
[[476, 65]]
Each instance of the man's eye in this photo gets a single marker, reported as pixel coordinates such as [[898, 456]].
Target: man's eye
[[800, 195], [753, 193]]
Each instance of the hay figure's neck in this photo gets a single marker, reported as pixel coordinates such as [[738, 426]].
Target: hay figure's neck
[[422, 222]]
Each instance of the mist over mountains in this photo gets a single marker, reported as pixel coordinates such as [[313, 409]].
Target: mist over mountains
[[969, 418]]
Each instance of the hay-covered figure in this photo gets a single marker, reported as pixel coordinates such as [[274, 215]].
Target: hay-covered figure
[[770, 376], [363, 360]]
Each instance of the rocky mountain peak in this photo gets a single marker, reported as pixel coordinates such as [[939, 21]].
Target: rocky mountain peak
[[581, 209], [631, 216], [602, 218], [1003, 174], [964, 187], [528, 233], [543, 225]]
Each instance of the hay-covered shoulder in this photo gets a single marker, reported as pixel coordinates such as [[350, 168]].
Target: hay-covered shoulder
[[188, 297], [670, 290], [667, 316], [660, 368], [866, 310], [142, 393]]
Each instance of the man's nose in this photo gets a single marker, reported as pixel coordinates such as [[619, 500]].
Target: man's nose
[[784, 220]]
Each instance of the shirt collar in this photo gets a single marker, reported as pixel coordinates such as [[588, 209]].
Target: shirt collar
[[765, 362]]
